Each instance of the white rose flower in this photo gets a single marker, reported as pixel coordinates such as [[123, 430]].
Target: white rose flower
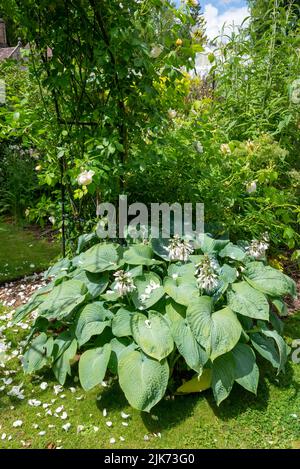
[[251, 187], [199, 147], [172, 113], [156, 51], [85, 178]]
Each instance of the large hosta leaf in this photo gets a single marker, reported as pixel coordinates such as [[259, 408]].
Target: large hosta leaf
[[141, 297], [143, 379], [228, 274], [119, 346], [63, 299], [233, 252], [269, 280], [209, 245], [159, 246], [246, 371], [101, 257], [237, 365], [181, 289], [248, 301], [222, 377], [95, 283], [61, 366], [140, 254], [183, 270], [92, 320], [271, 346], [92, 366], [34, 302], [121, 323], [38, 353], [152, 333], [194, 355], [217, 332]]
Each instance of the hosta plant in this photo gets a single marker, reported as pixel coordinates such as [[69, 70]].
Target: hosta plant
[[154, 312]]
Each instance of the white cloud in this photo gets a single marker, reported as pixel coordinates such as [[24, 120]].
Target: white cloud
[[226, 2], [215, 20]]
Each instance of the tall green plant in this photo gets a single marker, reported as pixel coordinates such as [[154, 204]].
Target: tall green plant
[[139, 310]]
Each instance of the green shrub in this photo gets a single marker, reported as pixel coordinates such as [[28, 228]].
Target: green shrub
[[151, 311]]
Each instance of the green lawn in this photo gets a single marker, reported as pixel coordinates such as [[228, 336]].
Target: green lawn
[[22, 253], [272, 420]]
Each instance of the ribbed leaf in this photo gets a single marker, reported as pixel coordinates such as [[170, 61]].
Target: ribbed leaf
[[143, 379]]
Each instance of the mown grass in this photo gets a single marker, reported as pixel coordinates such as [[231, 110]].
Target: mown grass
[[270, 420], [22, 253]]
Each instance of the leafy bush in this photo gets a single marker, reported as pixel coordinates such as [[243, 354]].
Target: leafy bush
[[151, 311], [18, 182]]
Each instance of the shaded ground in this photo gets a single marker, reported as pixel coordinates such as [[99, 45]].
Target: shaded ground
[[23, 252]]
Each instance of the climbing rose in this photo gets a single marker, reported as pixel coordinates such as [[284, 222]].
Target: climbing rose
[[85, 178]]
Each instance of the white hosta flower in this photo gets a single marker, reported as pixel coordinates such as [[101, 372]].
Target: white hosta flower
[[179, 249], [43, 385], [257, 248], [199, 147], [172, 113], [225, 149], [124, 282], [156, 51], [251, 187], [85, 178], [207, 274]]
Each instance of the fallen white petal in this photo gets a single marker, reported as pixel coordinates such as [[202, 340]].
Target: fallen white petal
[[17, 423], [80, 428], [66, 427]]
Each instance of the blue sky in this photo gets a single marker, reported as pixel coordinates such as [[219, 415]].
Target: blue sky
[[218, 12]]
